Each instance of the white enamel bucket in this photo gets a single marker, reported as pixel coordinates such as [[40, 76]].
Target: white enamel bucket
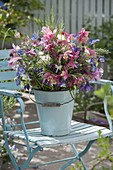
[[55, 111]]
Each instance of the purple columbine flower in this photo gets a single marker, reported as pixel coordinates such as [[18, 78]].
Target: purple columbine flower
[[14, 148], [18, 81], [75, 35], [20, 52], [92, 41], [21, 70], [2, 5], [86, 87], [101, 59], [93, 66], [27, 87], [35, 36], [75, 49], [38, 70]]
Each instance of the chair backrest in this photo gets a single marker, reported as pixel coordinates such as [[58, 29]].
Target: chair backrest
[[7, 74], [106, 109]]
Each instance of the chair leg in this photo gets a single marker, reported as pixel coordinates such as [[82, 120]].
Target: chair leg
[[74, 159], [25, 164], [78, 156], [11, 155]]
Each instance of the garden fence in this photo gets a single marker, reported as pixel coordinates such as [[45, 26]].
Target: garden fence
[[74, 13]]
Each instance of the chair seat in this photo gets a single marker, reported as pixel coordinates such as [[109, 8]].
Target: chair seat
[[80, 132]]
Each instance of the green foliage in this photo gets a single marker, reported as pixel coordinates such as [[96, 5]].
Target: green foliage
[[9, 103], [84, 99], [17, 14], [3, 152], [104, 145], [77, 166], [105, 90], [50, 21], [105, 154], [72, 168], [103, 51], [105, 34], [53, 23]]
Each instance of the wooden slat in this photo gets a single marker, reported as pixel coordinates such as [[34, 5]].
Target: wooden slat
[[111, 7], [4, 65], [27, 30], [73, 16], [80, 15], [86, 8], [93, 12], [54, 7], [4, 54], [7, 75], [106, 10], [67, 15], [99, 12], [60, 10], [47, 8], [35, 28], [10, 86], [42, 12], [80, 132]]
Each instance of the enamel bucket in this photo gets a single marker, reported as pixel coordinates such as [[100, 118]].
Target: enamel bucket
[[55, 111]]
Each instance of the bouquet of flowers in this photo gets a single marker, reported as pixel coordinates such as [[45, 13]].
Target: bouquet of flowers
[[55, 60]]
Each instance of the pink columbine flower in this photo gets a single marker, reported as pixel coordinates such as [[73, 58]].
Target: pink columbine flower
[[92, 52], [71, 63], [68, 36], [48, 34], [83, 36], [16, 47], [12, 62], [97, 74], [64, 74], [65, 56], [31, 52], [50, 79], [72, 60], [66, 60], [14, 50]]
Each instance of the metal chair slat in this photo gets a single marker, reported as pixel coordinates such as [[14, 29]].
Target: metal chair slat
[[7, 75], [89, 133]]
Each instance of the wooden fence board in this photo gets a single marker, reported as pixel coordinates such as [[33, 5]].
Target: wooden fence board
[[73, 16], [73, 13]]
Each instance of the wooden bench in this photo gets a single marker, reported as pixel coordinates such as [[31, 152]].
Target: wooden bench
[[31, 138]]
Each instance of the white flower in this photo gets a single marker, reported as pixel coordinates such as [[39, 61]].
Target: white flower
[[17, 34], [45, 58], [61, 37]]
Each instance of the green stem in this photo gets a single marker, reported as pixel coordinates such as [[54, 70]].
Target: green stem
[[5, 37]]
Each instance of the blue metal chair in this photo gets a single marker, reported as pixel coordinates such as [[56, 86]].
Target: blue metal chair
[[106, 109], [32, 138], [98, 84]]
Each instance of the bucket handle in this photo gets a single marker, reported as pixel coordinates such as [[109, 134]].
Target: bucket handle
[[52, 104]]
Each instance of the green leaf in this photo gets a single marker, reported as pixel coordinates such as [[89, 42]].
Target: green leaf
[[103, 91], [72, 168]]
